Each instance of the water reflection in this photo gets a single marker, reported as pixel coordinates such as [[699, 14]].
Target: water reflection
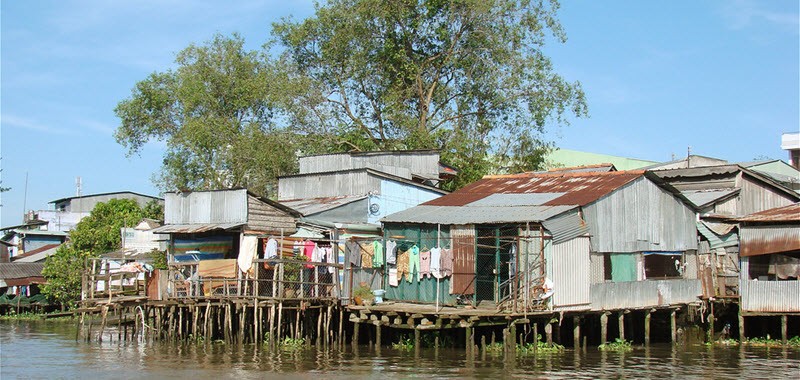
[[39, 350]]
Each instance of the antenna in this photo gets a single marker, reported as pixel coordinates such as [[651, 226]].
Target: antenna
[[78, 186], [25, 196]]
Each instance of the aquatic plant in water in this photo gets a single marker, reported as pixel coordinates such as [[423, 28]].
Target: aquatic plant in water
[[619, 345], [292, 344], [404, 345]]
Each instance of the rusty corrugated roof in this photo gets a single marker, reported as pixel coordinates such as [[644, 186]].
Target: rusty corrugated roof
[[577, 188], [789, 213]]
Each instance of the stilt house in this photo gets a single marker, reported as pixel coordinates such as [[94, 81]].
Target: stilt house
[[563, 241]]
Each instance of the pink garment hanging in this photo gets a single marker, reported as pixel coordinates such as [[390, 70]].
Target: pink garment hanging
[[309, 251], [424, 264]]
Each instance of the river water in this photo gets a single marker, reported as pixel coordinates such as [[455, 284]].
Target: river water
[[49, 351]]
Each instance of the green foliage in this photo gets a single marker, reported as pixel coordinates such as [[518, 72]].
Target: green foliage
[[468, 77], [159, 259], [153, 210], [94, 235], [618, 345], [214, 114], [406, 344], [63, 271]]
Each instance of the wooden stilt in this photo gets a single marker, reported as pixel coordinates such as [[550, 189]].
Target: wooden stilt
[[710, 333], [621, 322], [377, 336], [355, 334], [673, 326], [417, 341], [603, 327], [742, 337], [784, 329], [576, 332], [548, 330], [647, 327]]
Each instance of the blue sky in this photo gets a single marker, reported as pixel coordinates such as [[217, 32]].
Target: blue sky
[[660, 76]]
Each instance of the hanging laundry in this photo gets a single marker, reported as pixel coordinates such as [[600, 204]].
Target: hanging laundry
[[366, 255], [391, 252], [512, 261], [298, 247], [402, 263], [413, 262], [308, 251], [270, 248], [424, 264], [377, 250], [247, 252], [446, 266], [436, 260], [393, 277], [353, 251], [330, 258]]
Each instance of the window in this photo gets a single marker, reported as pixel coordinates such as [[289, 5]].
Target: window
[[778, 266], [662, 265]]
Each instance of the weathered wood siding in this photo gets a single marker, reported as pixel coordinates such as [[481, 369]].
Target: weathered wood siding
[[267, 218]]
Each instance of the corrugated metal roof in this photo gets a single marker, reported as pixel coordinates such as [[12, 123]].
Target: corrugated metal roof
[[10, 271], [577, 188], [194, 228], [703, 198], [474, 214], [717, 240], [789, 213], [535, 199], [311, 206], [697, 171], [566, 227], [37, 254]]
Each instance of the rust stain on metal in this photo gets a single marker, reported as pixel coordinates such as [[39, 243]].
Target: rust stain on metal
[[580, 188], [789, 213]]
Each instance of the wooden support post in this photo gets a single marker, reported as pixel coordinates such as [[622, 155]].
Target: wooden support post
[[483, 344], [621, 320], [377, 336], [535, 335], [512, 344], [673, 326], [710, 333], [576, 332], [416, 342], [647, 327], [355, 333], [741, 328], [548, 330], [603, 327], [784, 329]]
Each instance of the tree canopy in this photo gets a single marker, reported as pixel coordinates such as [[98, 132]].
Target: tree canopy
[[98, 233], [467, 77]]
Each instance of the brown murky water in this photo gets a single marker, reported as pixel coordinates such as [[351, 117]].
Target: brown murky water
[[49, 351]]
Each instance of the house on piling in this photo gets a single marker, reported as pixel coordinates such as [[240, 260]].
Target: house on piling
[[206, 226], [721, 194], [344, 195], [769, 280], [561, 241]]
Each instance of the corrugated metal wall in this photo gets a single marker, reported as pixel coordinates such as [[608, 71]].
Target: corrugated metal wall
[[569, 267], [766, 296], [755, 197], [228, 206], [636, 294], [759, 240], [463, 259], [770, 296], [641, 217], [423, 163], [327, 185]]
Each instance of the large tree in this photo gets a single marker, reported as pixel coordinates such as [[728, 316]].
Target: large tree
[[213, 112], [94, 235], [466, 76]]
